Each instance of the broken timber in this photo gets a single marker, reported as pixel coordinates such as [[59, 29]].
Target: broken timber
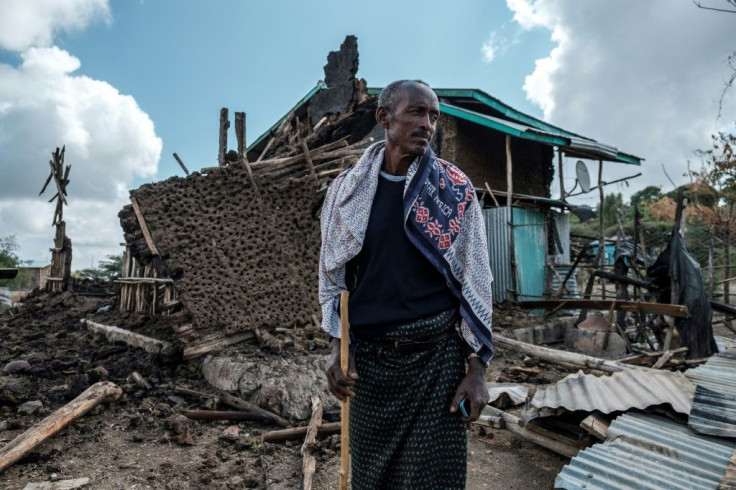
[[115, 334], [561, 357], [516, 425], [241, 404], [309, 463], [28, 440], [677, 311], [225, 415], [297, 432]]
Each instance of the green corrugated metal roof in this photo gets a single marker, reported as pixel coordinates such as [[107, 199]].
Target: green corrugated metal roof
[[576, 145], [514, 123]]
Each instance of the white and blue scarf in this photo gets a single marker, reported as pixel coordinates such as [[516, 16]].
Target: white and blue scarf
[[442, 218]]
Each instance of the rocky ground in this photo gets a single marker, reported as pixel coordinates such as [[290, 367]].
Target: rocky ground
[[142, 440]]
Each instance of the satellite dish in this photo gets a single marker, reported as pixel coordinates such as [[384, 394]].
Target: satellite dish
[[583, 176]]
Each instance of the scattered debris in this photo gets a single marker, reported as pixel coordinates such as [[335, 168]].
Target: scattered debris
[[649, 452]]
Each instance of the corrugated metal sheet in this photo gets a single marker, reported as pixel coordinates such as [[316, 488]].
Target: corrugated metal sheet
[[530, 245], [530, 248], [571, 287], [632, 388], [562, 221], [724, 343], [496, 220], [648, 452], [714, 404]]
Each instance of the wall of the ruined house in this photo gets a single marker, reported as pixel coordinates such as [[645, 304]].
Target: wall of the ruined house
[[481, 153]]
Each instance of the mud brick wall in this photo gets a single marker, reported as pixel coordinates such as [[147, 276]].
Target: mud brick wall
[[481, 153], [241, 259]]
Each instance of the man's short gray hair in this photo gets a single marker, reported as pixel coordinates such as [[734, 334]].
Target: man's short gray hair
[[388, 95]]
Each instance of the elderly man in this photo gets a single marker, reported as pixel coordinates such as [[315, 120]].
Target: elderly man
[[403, 232]]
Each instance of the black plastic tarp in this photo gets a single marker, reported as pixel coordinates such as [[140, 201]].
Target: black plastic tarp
[[675, 261]]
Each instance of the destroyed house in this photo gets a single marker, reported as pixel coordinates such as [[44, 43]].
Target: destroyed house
[[231, 252], [481, 134]]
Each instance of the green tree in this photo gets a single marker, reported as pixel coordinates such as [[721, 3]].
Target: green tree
[[645, 196], [8, 247], [105, 270], [612, 203]]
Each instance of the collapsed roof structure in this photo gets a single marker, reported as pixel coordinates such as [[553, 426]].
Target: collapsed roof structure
[[234, 248]]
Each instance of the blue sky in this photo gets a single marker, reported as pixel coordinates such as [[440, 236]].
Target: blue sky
[[124, 84], [184, 60]]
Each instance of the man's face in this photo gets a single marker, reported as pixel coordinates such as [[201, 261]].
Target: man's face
[[412, 124]]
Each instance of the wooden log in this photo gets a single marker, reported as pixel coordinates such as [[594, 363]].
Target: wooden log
[[144, 226], [115, 334], [28, 440], [514, 424], [312, 173], [224, 125], [240, 135], [181, 390], [247, 406], [224, 415], [299, 432], [677, 311], [265, 150], [309, 463], [202, 348], [557, 356]]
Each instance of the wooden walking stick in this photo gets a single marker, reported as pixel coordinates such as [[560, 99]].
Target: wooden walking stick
[[345, 412]]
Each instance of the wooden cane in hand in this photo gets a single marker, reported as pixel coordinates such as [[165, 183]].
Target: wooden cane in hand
[[345, 412]]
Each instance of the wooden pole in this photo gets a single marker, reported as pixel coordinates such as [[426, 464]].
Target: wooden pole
[[224, 125], [510, 211], [602, 234], [559, 356], [241, 404], [28, 440], [297, 432], [345, 409], [240, 135], [181, 164], [309, 463], [562, 177]]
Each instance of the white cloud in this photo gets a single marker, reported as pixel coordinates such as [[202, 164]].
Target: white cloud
[[488, 50], [642, 76], [109, 140], [26, 23]]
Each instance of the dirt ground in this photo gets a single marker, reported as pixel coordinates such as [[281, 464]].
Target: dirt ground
[[136, 442]]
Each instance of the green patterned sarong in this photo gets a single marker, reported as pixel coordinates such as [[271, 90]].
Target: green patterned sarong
[[402, 434]]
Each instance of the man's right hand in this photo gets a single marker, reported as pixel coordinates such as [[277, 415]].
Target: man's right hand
[[340, 385]]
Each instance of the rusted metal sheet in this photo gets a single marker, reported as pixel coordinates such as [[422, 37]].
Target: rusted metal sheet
[[649, 452], [714, 403], [631, 388]]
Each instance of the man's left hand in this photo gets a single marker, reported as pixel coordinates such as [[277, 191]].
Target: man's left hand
[[473, 387]]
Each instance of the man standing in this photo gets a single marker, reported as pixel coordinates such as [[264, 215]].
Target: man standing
[[403, 232]]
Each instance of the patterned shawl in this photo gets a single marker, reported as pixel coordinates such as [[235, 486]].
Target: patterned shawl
[[442, 219]]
